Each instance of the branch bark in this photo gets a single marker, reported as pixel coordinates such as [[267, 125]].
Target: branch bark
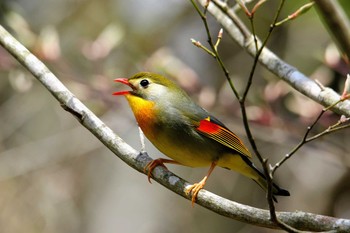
[[242, 36], [337, 23], [137, 160]]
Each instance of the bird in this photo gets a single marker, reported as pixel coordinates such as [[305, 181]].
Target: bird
[[186, 132]]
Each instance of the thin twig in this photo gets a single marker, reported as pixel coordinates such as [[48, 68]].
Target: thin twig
[[268, 174], [306, 139], [240, 34], [243, 98], [214, 47]]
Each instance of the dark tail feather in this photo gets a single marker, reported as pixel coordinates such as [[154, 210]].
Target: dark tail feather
[[276, 190], [261, 181]]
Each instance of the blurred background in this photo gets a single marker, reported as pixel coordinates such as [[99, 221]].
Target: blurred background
[[56, 177]]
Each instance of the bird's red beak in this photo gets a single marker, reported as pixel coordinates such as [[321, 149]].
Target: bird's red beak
[[126, 82]]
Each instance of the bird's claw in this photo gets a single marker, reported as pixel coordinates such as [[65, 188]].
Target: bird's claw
[[194, 190], [151, 166]]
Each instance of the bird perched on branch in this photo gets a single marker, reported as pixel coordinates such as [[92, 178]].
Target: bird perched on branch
[[185, 132]]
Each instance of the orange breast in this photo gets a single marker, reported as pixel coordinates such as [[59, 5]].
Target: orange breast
[[144, 113], [191, 154]]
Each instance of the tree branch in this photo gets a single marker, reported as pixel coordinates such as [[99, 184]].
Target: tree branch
[[296, 79], [138, 161], [337, 23]]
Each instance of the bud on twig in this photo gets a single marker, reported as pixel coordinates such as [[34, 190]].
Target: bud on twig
[[343, 119], [196, 43], [244, 7], [257, 5], [199, 45], [346, 90], [220, 33], [207, 4], [219, 39], [300, 11]]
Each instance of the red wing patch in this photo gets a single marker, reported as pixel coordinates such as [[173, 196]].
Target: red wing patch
[[208, 127], [222, 135]]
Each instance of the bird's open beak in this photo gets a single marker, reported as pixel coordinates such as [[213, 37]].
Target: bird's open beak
[[126, 82]]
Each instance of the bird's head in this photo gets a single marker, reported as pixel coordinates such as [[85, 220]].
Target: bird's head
[[150, 86]]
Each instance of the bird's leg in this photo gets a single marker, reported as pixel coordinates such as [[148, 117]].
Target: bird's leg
[[157, 162], [195, 188], [142, 139]]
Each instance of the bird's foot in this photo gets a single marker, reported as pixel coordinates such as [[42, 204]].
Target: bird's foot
[[194, 190], [151, 166]]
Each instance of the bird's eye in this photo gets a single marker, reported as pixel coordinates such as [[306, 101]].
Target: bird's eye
[[144, 83]]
